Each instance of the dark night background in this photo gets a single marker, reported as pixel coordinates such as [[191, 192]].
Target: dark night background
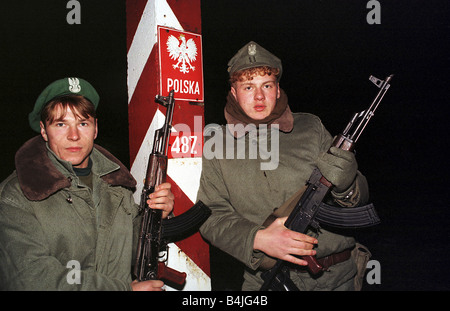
[[328, 52]]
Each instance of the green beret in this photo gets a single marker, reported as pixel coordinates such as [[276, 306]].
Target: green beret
[[253, 55], [66, 86]]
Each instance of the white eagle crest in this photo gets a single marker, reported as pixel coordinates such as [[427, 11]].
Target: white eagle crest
[[74, 85], [185, 52]]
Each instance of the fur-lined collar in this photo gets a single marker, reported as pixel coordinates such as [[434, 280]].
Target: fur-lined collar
[[39, 178]]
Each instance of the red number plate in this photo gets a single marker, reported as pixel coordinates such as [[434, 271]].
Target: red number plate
[[183, 145]]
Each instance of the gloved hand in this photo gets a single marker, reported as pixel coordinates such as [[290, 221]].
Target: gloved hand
[[338, 167]]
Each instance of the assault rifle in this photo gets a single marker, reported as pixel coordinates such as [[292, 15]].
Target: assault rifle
[[156, 233], [311, 211]]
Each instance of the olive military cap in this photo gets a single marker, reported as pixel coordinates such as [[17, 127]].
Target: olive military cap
[[66, 86], [253, 55]]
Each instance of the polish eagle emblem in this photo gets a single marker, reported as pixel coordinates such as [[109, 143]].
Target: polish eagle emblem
[[74, 85], [185, 52]]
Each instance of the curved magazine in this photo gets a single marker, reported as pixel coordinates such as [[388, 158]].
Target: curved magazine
[[180, 227], [347, 217]]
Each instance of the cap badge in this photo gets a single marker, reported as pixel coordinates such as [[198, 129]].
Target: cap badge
[[251, 53], [74, 85]]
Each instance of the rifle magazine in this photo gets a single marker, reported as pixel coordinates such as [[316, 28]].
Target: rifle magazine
[[182, 226], [348, 217]]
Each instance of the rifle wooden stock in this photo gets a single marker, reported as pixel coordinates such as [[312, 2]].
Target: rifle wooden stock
[[171, 275], [342, 142]]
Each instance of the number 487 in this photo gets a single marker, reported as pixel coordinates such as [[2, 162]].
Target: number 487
[[184, 145]]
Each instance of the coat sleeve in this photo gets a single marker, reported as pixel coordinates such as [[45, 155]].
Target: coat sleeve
[[226, 228], [26, 262]]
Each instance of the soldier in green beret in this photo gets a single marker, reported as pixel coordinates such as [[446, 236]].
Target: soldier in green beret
[[242, 193], [68, 220]]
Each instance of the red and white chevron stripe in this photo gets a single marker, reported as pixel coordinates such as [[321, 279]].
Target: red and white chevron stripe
[[192, 254]]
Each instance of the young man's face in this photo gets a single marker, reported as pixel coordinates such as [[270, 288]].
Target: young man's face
[[257, 97], [71, 138]]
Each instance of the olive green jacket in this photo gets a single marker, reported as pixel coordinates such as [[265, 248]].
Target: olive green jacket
[[242, 195], [58, 234]]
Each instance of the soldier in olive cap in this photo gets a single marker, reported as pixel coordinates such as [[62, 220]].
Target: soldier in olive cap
[[68, 220], [242, 195]]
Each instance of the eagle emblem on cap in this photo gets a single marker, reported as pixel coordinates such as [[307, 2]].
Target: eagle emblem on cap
[[74, 85], [185, 52], [251, 49]]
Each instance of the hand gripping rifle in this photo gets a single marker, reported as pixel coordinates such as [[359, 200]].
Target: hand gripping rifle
[[310, 210], [155, 232]]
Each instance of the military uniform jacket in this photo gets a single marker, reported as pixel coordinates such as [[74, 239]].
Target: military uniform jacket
[[242, 195], [58, 234]]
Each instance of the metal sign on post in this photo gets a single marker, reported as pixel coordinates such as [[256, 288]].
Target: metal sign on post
[[181, 64]]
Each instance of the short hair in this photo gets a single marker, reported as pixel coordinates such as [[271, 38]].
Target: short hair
[[81, 107], [248, 74]]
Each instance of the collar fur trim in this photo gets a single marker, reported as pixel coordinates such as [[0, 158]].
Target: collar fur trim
[[39, 178]]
